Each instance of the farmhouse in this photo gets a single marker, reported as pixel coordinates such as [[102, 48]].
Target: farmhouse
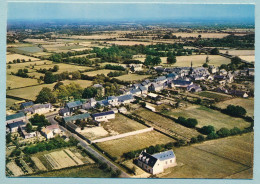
[[112, 100], [72, 106], [104, 116], [76, 117], [144, 90], [122, 110], [182, 83], [100, 89], [26, 105], [38, 108], [238, 93], [64, 112], [194, 88], [155, 87], [124, 99], [27, 135], [136, 92], [50, 131], [14, 127], [15, 118], [135, 67], [156, 163]]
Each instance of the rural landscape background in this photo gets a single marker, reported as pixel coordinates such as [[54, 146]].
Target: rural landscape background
[[92, 89]]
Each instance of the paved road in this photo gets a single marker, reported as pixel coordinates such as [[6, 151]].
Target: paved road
[[85, 145], [51, 119]]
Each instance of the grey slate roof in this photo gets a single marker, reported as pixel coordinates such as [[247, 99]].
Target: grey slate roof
[[16, 124], [76, 117], [64, 110], [103, 114], [133, 91], [125, 97], [74, 104], [27, 104], [142, 88], [14, 116], [164, 155], [151, 159]]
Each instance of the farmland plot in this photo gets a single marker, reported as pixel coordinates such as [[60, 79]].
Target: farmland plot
[[11, 57], [38, 164], [132, 77], [17, 171]]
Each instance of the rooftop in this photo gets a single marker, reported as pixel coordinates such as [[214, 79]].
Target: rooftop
[[76, 117], [14, 116], [103, 113]]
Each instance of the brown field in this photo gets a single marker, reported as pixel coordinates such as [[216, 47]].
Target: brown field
[[214, 159], [10, 102], [133, 142], [11, 57], [132, 77], [166, 123], [215, 95], [239, 52], [248, 104], [248, 58], [130, 43], [203, 35], [121, 124], [94, 37], [17, 171], [94, 73], [206, 116], [199, 60], [38, 164]]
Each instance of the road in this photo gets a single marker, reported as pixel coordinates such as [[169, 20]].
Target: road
[[51, 119], [86, 146]]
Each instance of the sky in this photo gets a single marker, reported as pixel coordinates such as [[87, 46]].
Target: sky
[[129, 12]]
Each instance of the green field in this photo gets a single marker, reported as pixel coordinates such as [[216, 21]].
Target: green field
[[132, 77], [94, 73], [30, 93], [122, 124], [13, 81], [206, 116], [87, 171], [117, 147], [10, 102], [230, 157], [25, 50], [166, 124], [215, 95], [248, 104]]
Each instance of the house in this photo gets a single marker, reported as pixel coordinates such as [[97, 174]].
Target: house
[[100, 89], [136, 92], [112, 100], [222, 90], [50, 131], [26, 105], [16, 117], [150, 108], [39, 109], [238, 93], [160, 80], [92, 102], [72, 106], [27, 135], [223, 72], [122, 110], [124, 99], [251, 71], [212, 69], [229, 78], [76, 117], [155, 87], [181, 83], [156, 163], [103, 116], [136, 67], [194, 88], [115, 110], [14, 127], [144, 90], [152, 96], [64, 112]]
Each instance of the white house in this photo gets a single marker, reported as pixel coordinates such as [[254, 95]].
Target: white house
[[155, 164], [112, 100], [50, 131], [104, 116]]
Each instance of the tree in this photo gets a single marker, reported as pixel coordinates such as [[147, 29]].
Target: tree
[[223, 132], [212, 135], [207, 59], [76, 75], [214, 51], [205, 65], [207, 129], [237, 111], [97, 106], [89, 92], [49, 78], [8, 66], [39, 120], [200, 138], [148, 60], [57, 85], [193, 140], [8, 138], [171, 59], [55, 68], [236, 60], [28, 127], [235, 131], [45, 95]]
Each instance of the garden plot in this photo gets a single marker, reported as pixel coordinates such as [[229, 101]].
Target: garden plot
[[39, 164], [94, 133], [17, 171]]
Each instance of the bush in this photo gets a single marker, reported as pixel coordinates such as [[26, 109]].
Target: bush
[[236, 111], [212, 135], [200, 138], [193, 140], [223, 132], [190, 122], [235, 131], [207, 130]]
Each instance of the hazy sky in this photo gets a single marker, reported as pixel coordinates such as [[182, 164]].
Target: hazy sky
[[128, 12]]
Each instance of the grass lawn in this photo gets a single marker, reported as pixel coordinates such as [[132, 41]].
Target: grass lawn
[[11, 57], [248, 104], [206, 116], [221, 158], [199, 60], [215, 95], [94, 73], [166, 123], [117, 147], [132, 77], [10, 102], [122, 124]]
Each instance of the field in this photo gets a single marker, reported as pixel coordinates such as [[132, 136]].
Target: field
[[25, 50], [166, 124], [117, 147], [11, 57], [203, 35], [215, 95], [215, 159], [17, 171], [33, 91], [86, 171], [132, 77], [13, 81], [206, 116], [94, 73], [10, 102], [199, 60], [130, 43], [248, 104], [248, 58], [239, 52], [122, 124]]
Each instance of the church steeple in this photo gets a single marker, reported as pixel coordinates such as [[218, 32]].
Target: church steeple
[[191, 69]]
